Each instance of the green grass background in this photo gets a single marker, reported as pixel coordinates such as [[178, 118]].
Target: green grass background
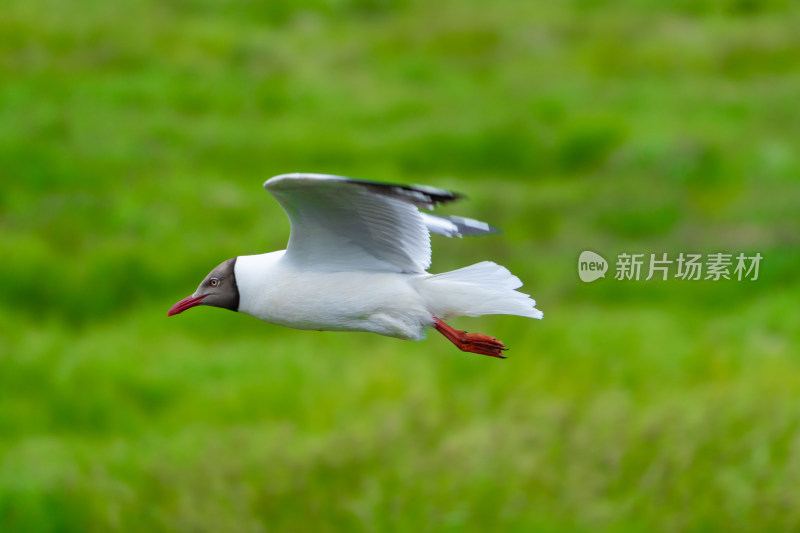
[[134, 138]]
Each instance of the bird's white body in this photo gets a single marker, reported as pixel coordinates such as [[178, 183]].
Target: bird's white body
[[276, 291], [395, 304]]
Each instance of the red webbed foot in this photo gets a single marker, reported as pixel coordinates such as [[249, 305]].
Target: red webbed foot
[[471, 342]]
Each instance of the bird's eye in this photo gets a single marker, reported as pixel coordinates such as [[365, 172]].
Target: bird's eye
[[214, 282]]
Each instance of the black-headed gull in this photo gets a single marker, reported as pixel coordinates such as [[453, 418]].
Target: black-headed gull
[[356, 261]]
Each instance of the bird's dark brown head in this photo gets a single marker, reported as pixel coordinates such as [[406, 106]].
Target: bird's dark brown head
[[218, 289]]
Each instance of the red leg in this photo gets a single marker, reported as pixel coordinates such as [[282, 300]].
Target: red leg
[[471, 342]]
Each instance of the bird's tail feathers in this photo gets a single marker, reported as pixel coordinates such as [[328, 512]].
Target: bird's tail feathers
[[484, 288]]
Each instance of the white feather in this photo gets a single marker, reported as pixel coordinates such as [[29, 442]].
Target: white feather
[[340, 224], [484, 288]]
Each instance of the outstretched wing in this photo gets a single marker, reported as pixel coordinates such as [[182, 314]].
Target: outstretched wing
[[341, 223]]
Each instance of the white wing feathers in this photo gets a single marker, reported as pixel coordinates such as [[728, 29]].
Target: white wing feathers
[[451, 226], [341, 223]]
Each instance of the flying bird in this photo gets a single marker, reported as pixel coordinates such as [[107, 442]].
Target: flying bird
[[356, 260]]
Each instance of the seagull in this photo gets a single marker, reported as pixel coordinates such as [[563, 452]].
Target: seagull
[[357, 260]]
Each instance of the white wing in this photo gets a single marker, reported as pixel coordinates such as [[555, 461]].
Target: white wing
[[341, 223]]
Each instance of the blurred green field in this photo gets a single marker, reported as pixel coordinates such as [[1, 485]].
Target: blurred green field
[[134, 139]]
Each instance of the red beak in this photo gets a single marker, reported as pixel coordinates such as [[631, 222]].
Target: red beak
[[186, 303]]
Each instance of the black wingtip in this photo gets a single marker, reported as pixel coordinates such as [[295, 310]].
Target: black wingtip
[[420, 195]]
